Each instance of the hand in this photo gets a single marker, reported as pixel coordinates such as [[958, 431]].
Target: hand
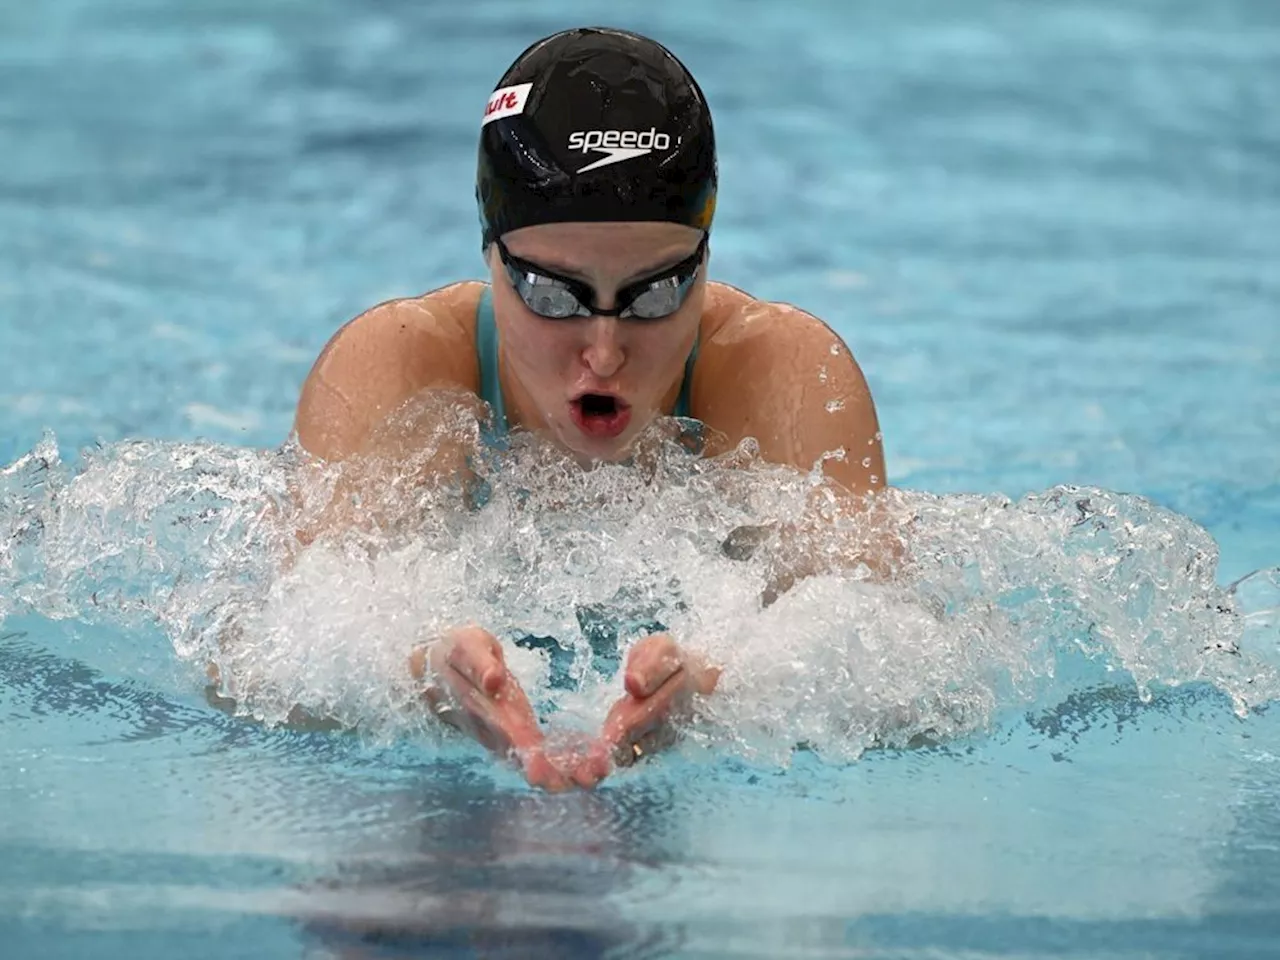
[[470, 687], [661, 680]]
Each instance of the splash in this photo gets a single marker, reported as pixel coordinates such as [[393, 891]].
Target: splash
[[996, 605]]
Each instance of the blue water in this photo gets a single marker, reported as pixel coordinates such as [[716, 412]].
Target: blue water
[[1051, 234]]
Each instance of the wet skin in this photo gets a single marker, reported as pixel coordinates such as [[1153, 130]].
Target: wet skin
[[765, 370]]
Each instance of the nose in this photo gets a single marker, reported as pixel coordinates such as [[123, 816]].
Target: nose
[[603, 353]]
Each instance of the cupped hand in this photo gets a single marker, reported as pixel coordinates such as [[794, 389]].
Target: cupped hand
[[469, 686], [661, 680]]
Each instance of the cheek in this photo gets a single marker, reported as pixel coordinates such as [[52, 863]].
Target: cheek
[[686, 325], [535, 348], [667, 344]]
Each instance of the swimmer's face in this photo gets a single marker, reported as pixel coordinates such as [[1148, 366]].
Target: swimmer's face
[[594, 383]]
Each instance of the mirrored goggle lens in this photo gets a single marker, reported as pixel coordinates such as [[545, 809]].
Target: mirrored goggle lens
[[660, 299], [554, 299], [545, 297]]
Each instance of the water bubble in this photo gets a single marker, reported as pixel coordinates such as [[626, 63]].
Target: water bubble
[[834, 406], [1009, 603], [866, 461]]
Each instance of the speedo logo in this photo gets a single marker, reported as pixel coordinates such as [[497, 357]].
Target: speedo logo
[[618, 145]]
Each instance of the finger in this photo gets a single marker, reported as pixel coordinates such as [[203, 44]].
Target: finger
[[504, 722], [635, 749], [587, 777], [477, 715], [631, 718], [540, 772], [703, 677], [427, 665], [577, 757], [630, 753], [478, 657], [708, 680], [514, 715], [418, 662], [594, 767], [652, 663]]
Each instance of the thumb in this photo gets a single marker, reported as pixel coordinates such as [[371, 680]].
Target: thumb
[[653, 661], [706, 679]]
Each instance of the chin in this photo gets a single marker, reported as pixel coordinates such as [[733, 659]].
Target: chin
[[591, 450]]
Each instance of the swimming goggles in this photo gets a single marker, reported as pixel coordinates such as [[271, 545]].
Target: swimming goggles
[[555, 297]]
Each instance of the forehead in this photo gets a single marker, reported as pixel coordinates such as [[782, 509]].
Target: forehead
[[603, 249]]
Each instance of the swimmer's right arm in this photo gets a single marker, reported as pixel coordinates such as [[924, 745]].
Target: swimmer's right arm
[[467, 683], [380, 393], [782, 377]]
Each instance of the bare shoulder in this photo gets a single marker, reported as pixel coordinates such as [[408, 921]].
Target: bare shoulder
[[781, 375], [754, 343], [377, 361]]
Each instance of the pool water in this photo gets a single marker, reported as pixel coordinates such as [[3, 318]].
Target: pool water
[[1051, 235]]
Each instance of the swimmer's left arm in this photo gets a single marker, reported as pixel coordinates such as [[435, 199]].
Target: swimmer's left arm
[[662, 681], [779, 375]]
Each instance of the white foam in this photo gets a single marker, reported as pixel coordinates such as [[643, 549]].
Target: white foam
[[1001, 605]]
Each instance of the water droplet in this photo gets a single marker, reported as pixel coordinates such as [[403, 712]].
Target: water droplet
[[834, 405], [874, 479], [866, 461], [835, 349], [822, 374]]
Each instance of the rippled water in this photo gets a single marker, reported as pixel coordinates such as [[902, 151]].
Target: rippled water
[[1017, 634], [1049, 235]]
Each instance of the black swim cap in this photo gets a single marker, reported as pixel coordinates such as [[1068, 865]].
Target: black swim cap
[[595, 125]]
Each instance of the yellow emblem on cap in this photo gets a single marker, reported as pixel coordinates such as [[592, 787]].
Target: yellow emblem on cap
[[702, 220]]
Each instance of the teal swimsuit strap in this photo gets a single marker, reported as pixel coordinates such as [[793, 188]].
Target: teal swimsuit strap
[[487, 354], [684, 403], [491, 389]]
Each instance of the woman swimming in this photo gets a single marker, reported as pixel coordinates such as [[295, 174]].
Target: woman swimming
[[596, 185]]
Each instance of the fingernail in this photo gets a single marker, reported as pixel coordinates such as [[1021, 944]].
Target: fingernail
[[636, 687]]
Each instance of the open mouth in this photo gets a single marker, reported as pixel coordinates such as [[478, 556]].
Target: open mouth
[[598, 404], [600, 414]]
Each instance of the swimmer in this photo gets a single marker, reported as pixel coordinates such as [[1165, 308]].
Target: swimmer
[[596, 187]]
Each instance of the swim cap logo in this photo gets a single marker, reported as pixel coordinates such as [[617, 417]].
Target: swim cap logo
[[618, 145], [506, 102]]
